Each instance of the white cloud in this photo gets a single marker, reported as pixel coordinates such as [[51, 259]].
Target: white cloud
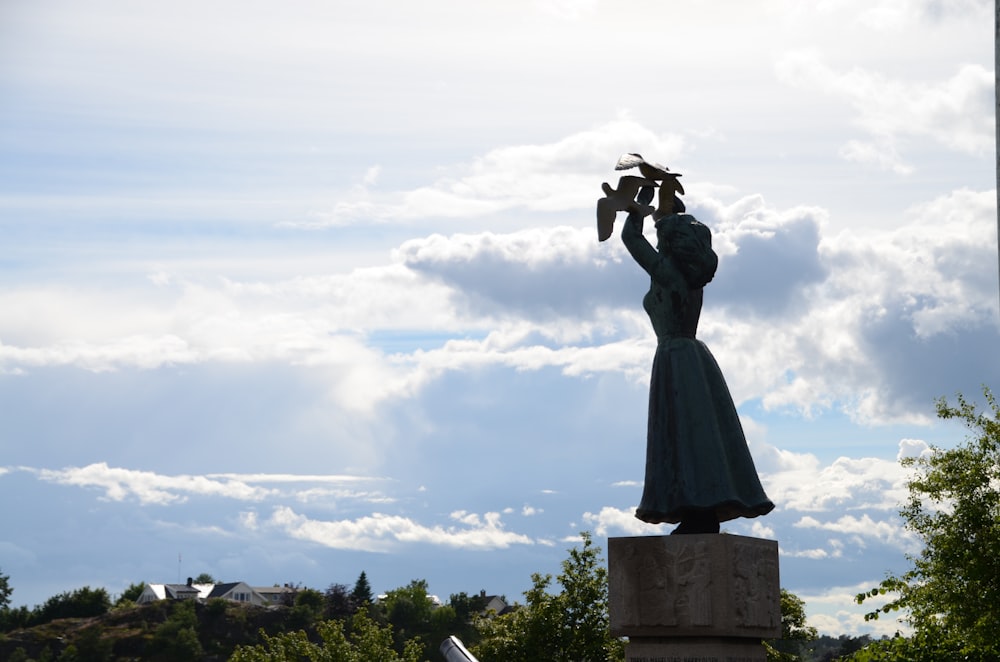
[[379, 532], [615, 520], [833, 611], [956, 113], [912, 448], [248, 519], [151, 488], [855, 483], [548, 177], [847, 315], [890, 532], [814, 554]]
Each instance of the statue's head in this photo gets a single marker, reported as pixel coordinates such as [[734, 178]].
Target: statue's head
[[689, 243]]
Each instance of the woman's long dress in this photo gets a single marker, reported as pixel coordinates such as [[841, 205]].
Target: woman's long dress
[[697, 460]]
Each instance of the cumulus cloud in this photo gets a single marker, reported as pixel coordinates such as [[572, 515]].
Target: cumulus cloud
[[956, 113], [549, 177], [888, 531], [799, 318], [150, 488], [616, 520], [770, 258], [834, 612], [379, 532], [847, 316], [542, 273], [856, 483]]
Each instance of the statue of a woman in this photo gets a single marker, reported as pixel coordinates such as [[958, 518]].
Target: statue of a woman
[[698, 468]]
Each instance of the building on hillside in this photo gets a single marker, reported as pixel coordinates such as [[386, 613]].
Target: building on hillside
[[154, 592], [495, 604], [277, 595], [235, 591]]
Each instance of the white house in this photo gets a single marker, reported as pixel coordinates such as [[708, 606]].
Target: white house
[[235, 591]]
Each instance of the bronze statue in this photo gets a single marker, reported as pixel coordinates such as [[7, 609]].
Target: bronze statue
[[698, 468]]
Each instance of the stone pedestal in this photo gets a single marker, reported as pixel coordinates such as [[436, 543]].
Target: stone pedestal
[[697, 598]]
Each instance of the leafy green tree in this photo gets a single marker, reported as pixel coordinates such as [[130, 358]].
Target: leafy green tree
[[408, 609], [5, 591], [338, 603], [204, 578], [569, 626], [362, 592], [130, 595], [367, 641], [951, 594], [795, 633], [307, 609], [177, 637], [82, 602], [13, 618], [467, 609]]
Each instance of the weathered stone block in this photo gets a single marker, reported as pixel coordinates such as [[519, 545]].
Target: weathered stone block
[[711, 585], [693, 649]]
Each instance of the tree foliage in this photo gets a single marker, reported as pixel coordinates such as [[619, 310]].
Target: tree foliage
[[571, 625], [362, 592], [365, 642], [82, 602], [131, 594], [5, 591], [951, 594], [795, 632], [177, 637]]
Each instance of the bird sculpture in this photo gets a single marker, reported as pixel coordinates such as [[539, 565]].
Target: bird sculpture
[[622, 199], [649, 170], [668, 188]]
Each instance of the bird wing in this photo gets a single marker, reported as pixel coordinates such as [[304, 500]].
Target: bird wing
[[648, 169], [629, 185], [606, 213], [629, 161]]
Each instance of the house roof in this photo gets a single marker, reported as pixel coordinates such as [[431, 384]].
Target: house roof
[[219, 590]]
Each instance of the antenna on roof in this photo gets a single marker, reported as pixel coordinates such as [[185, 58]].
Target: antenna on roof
[[178, 567]]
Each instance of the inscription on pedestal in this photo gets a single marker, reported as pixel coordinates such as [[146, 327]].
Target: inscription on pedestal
[[718, 649], [694, 586]]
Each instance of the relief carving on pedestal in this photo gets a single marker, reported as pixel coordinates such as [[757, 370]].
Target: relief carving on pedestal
[[754, 587], [671, 587]]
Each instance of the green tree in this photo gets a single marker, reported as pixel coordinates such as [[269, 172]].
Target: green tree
[[571, 625], [795, 633], [204, 578], [362, 593], [951, 594], [365, 642], [82, 602], [177, 637], [130, 595], [5, 591], [409, 609], [339, 603], [467, 609], [308, 608]]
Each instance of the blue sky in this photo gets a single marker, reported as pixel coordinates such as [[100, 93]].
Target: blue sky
[[288, 292]]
